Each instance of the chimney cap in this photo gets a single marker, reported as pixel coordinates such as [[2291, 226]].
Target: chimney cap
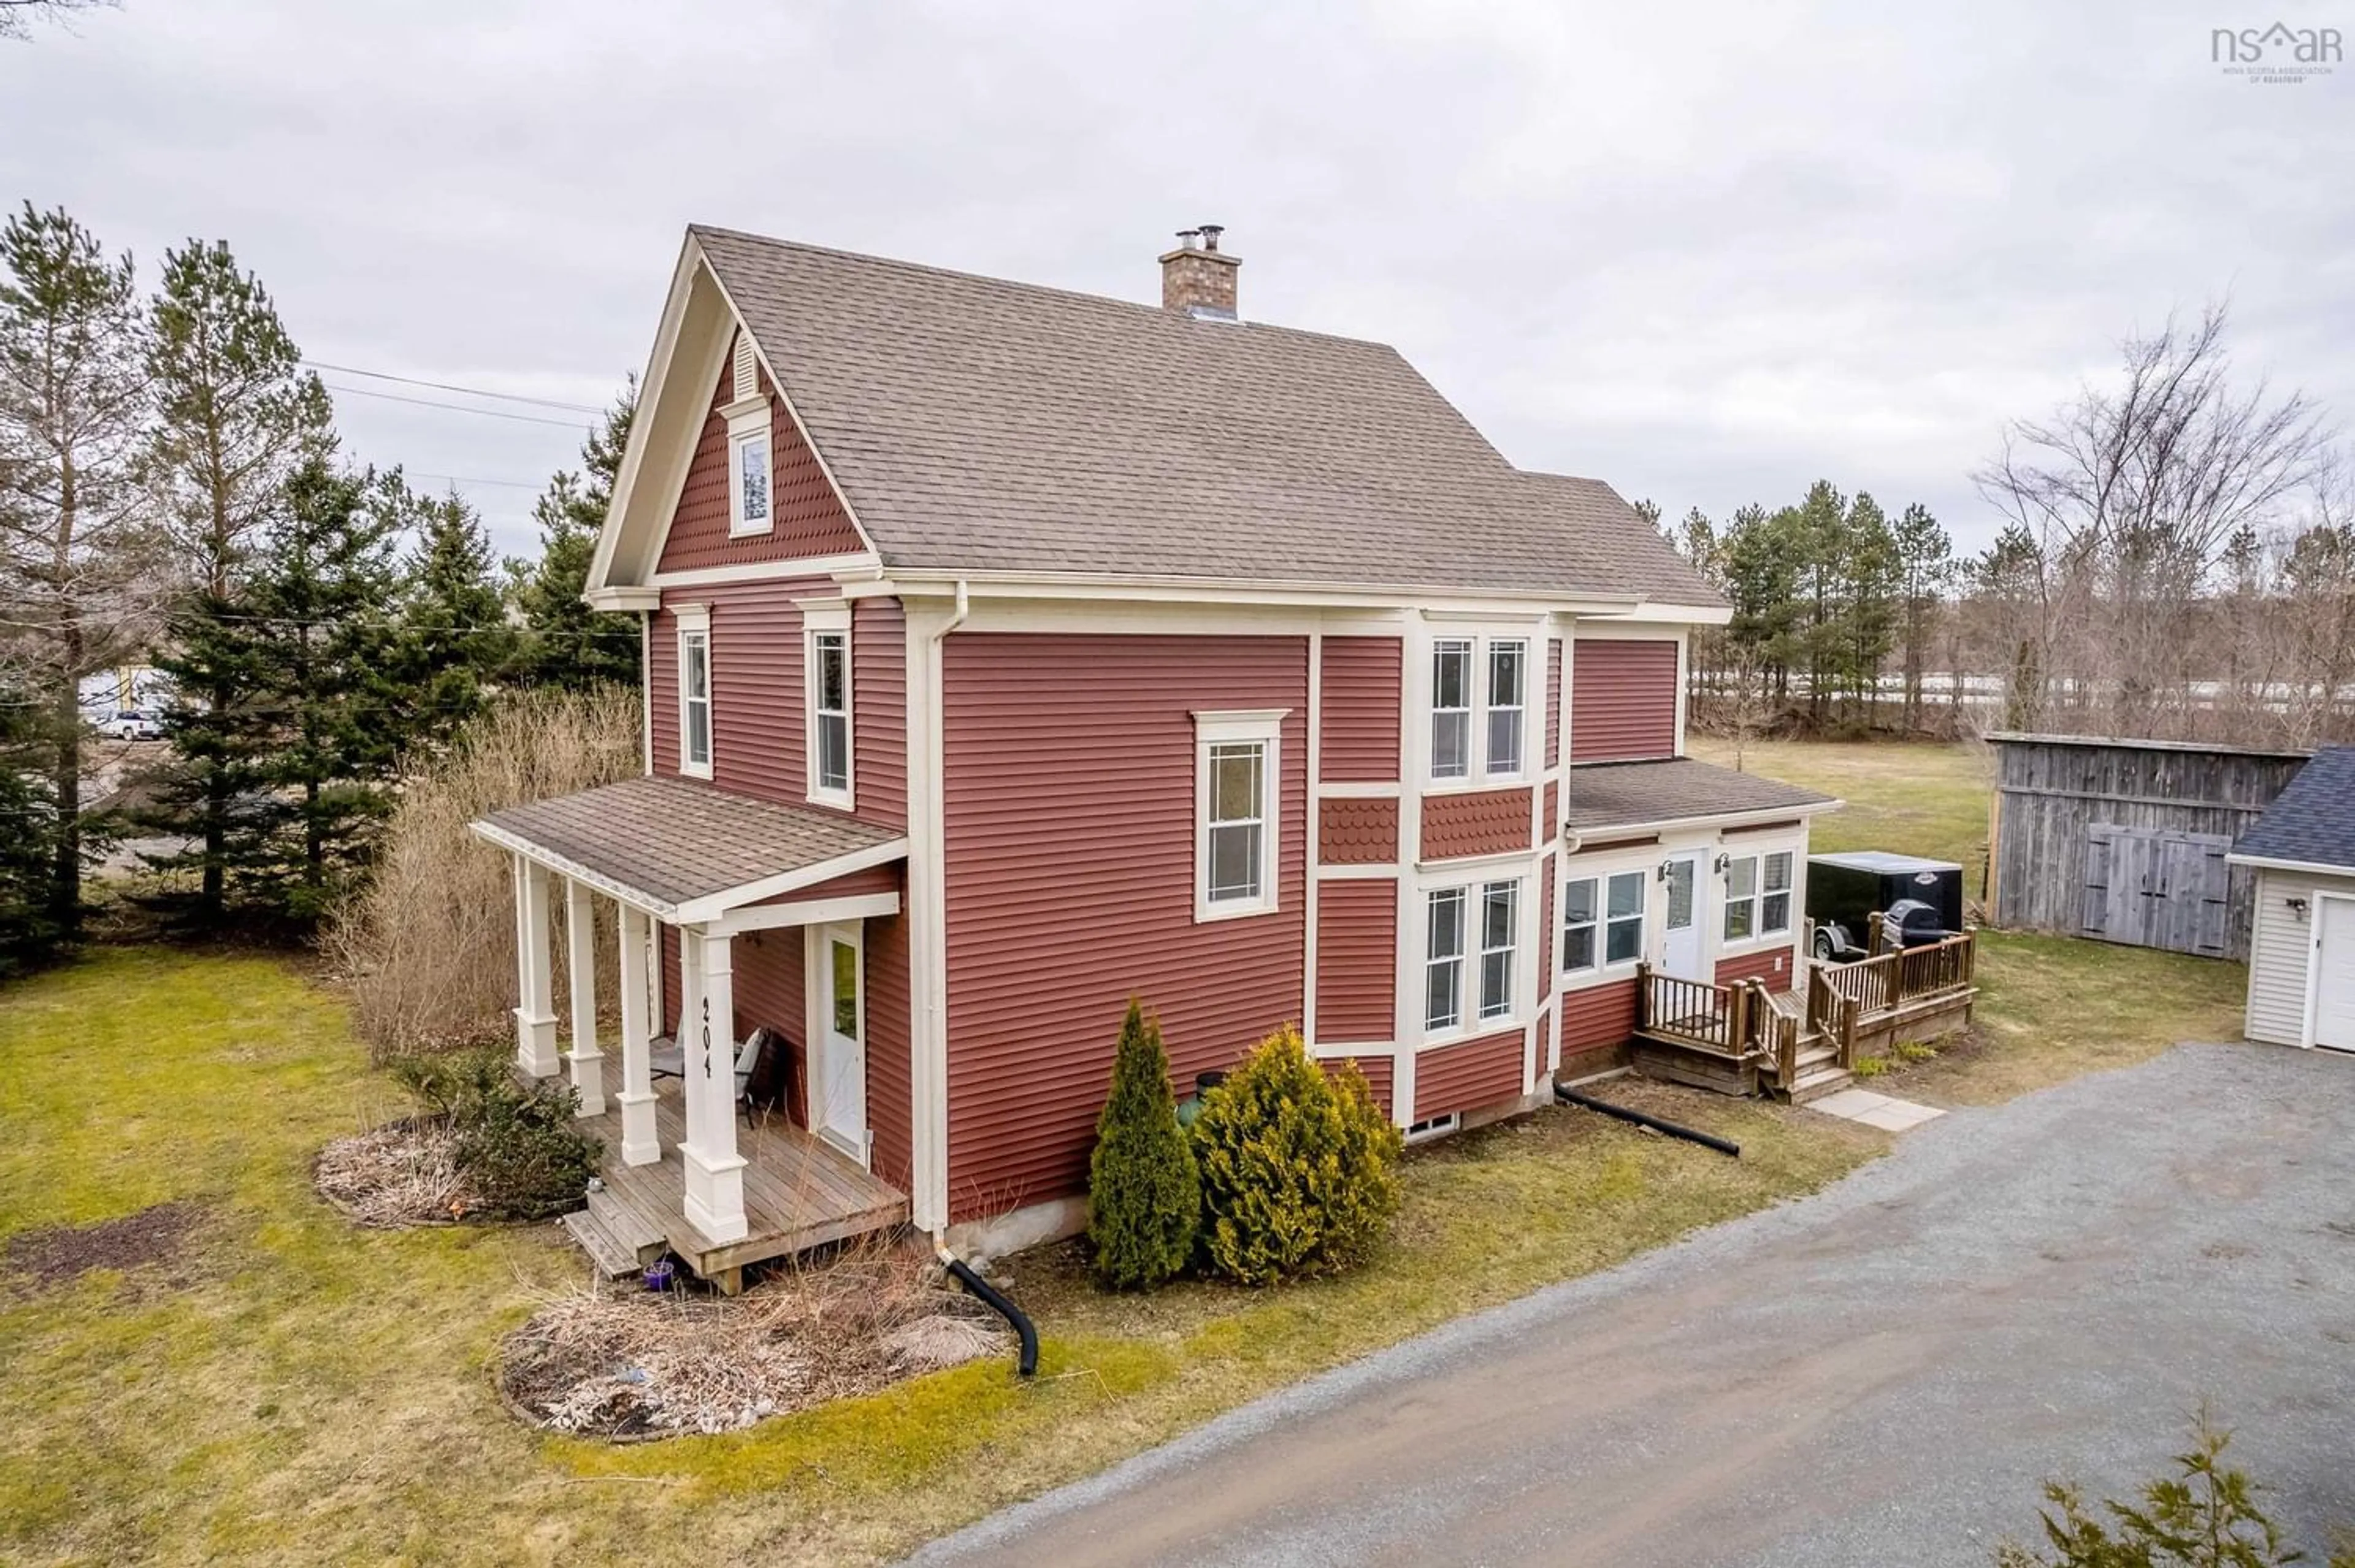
[[1186, 237], [1210, 233]]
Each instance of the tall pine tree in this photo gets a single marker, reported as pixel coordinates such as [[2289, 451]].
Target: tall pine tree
[[454, 637], [28, 834], [565, 642], [1924, 568], [75, 571], [237, 415]]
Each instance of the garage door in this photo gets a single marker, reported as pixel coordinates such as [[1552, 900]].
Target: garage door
[[2334, 988]]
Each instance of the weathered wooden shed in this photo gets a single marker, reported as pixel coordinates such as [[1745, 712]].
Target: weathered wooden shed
[[2126, 840]]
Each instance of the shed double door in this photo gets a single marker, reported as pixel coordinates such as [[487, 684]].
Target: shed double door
[[2152, 887]]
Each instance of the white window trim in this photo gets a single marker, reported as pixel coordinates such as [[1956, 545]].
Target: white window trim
[[828, 618], [1263, 727], [695, 623], [1605, 968], [1469, 1024], [1479, 775], [1758, 939], [749, 422], [1481, 950], [1431, 1127]]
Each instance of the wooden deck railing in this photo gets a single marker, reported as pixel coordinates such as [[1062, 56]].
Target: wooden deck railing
[[1715, 1018], [1908, 974], [1831, 1015]]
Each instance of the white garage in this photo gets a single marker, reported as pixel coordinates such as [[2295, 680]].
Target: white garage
[[2302, 940]]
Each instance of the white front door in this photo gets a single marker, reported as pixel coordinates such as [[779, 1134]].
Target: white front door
[[2334, 978], [838, 1028], [1680, 940]]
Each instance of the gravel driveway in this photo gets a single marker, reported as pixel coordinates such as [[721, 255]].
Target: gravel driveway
[[1878, 1375]]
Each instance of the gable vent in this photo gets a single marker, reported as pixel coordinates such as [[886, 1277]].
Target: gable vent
[[747, 380]]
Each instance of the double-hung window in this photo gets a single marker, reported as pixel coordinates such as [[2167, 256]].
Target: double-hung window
[[1443, 966], [1775, 907], [1235, 811], [1501, 905], [1602, 921], [1460, 924], [1451, 708], [1758, 896], [1509, 663], [1742, 899], [825, 625], [695, 692], [1479, 702]]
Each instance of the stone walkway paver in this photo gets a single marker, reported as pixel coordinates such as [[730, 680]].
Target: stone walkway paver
[[1886, 1112]]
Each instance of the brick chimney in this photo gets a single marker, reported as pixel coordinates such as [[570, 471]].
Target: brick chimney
[[1197, 277]]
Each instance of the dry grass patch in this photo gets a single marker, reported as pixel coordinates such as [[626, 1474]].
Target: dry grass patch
[[640, 1364], [403, 1173]]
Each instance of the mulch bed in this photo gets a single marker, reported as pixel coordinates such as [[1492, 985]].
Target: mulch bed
[[631, 1365], [50, 1255], [402, 1174]]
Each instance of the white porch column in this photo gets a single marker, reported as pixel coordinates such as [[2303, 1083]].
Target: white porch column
[[535, 1015], [588, 1063], [715, 1171], [640, 1143]]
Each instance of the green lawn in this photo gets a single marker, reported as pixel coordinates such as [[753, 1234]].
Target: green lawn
[[288, 1389]]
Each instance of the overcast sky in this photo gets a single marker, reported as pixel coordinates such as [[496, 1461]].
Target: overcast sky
[[1708, 253]]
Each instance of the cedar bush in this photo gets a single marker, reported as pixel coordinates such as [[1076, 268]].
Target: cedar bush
[[521, 1153], [1145, 1196], [1299, 1167]]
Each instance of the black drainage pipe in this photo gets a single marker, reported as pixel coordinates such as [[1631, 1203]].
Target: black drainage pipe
[[1692, 1134], [1026, 1362]]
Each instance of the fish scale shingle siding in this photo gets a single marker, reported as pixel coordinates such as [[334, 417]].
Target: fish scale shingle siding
[[808, 516], [1357, 830], [1069, 777], [1358, 699], [1475, 822], [1623, 701]]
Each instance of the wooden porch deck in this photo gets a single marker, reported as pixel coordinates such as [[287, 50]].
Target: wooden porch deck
[[799, 1193], [1746, 1039]]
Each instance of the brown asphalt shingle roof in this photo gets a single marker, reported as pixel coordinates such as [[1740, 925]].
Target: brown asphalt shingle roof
[[982, 425], [1624, 795], [677, 839]]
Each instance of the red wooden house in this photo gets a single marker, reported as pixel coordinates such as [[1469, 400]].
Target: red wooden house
[[1010, 652]]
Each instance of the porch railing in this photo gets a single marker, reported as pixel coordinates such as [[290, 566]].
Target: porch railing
[[1734, 1020], [1905, 976]]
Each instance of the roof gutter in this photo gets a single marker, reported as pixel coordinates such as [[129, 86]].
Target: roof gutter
[[1573, 839], [1235, 591]]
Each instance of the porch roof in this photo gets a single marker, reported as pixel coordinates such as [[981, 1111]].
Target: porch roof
[[1679, 789], [687, 852]]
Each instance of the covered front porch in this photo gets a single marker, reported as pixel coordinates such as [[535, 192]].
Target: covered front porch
[[665, 1075]]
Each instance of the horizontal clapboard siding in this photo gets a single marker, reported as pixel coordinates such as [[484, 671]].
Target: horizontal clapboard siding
[[1466, 1077], [1070, 880], [1380, 1072], [1623, 699], [1359, 700], [1357, 959]]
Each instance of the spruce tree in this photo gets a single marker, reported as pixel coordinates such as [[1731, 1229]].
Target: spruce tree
[[28, 834], [236, 416], [454, 637], [1145, 1196], [323, 604], [74, 567], [565, 642]]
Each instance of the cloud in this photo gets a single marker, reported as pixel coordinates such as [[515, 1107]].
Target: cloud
[[1708, 255]]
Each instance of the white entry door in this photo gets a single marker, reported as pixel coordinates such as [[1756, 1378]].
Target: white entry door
[[1680, 940], [838, 1028], [2334, 977]]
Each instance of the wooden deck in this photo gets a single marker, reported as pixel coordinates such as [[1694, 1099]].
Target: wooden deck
[[799, 1193], [1746, 1039]]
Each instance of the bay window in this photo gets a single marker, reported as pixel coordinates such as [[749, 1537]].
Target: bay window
[[1451, 709], [1481, 921], [1508, 677], [1499, 940], [1443, 967], [1480, 704]]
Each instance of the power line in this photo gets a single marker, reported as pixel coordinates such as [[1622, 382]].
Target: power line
[[452, 387], [456, 408], [469, 479]]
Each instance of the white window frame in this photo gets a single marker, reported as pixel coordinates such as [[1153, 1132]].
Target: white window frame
[[1263, 728], [1481, 770], [1754, 900], [828, 619], [1591, 924], [1489, 648], [1472, 1019], [1434, 1126], [693, 631], [1470, 649], [749, 426], [1603, 966]]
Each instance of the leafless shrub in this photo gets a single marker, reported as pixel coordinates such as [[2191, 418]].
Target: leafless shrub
[[641, 1364], [404, 1173], [428, 949]]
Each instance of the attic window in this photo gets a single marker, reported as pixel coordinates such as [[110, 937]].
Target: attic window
[[750, 500]]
